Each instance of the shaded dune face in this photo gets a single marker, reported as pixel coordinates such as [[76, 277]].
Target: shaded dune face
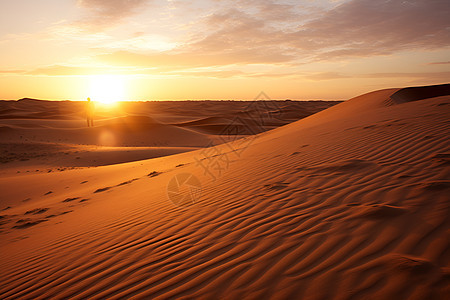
[[349, 203], [420, 93]]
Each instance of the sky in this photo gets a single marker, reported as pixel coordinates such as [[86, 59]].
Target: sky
[[220, 49]]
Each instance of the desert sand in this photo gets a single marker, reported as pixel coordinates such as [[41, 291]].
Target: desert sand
[[349, 202]]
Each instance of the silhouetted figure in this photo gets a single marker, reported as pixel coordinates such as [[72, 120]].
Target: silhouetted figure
[[90, 113]]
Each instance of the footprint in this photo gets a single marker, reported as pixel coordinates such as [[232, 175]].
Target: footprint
[[37, 211], [436, 185], [60, 214], [4, 219], [71, 199], [102, 189], [48, 193], [276, 186], [153, 174], [403, 176], [380, 211], [127, 182], [26, 224], [369, 126], [415, 266], [347, 166]]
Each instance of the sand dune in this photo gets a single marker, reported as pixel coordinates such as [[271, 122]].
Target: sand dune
[[349, 203], [39, 135]]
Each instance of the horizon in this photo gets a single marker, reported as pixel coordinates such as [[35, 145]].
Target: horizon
[[180, 100], [171, 50]]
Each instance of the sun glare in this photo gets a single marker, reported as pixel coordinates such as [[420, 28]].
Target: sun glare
[[107, 89]]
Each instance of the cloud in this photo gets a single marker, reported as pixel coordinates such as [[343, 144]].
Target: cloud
[[440, 76], [212, 74], [440, 63], [237, 33], [270, 32], [419, 75], [58, 70], [418, 78], [235, 73], [101, 14], [62, 70], [273, 75], [12, 71], [327, 76], [274, 10], [365, 28], [65, 70], [234, 29], [356, 28], [186, 60]]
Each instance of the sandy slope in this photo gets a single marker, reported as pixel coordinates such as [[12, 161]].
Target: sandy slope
[[349, 203]]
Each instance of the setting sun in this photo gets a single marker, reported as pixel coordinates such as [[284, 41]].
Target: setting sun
[[107, 89]]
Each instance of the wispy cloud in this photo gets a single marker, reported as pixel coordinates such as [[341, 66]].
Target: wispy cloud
[[12, 71], [327, 76], [227, 34], [439, 76], [186, 60], [440, 63], [67, 70], [212, 74], [58, 70], [365, 28], [418, 75], [251, 33], [101, 14]]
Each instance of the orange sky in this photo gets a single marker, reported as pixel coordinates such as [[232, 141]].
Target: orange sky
[[219, 49]]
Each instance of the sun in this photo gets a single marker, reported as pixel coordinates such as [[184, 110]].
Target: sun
[[107, 89]]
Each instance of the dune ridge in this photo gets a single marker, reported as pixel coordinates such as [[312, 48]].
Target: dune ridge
[[348, 203]]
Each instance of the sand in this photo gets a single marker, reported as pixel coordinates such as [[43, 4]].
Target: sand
[[351, 202]]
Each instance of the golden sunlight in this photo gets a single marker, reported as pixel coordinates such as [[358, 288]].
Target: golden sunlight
[[107, 89]]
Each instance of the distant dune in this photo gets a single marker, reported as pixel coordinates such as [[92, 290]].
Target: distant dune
[[37, 134], [351, 202]]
